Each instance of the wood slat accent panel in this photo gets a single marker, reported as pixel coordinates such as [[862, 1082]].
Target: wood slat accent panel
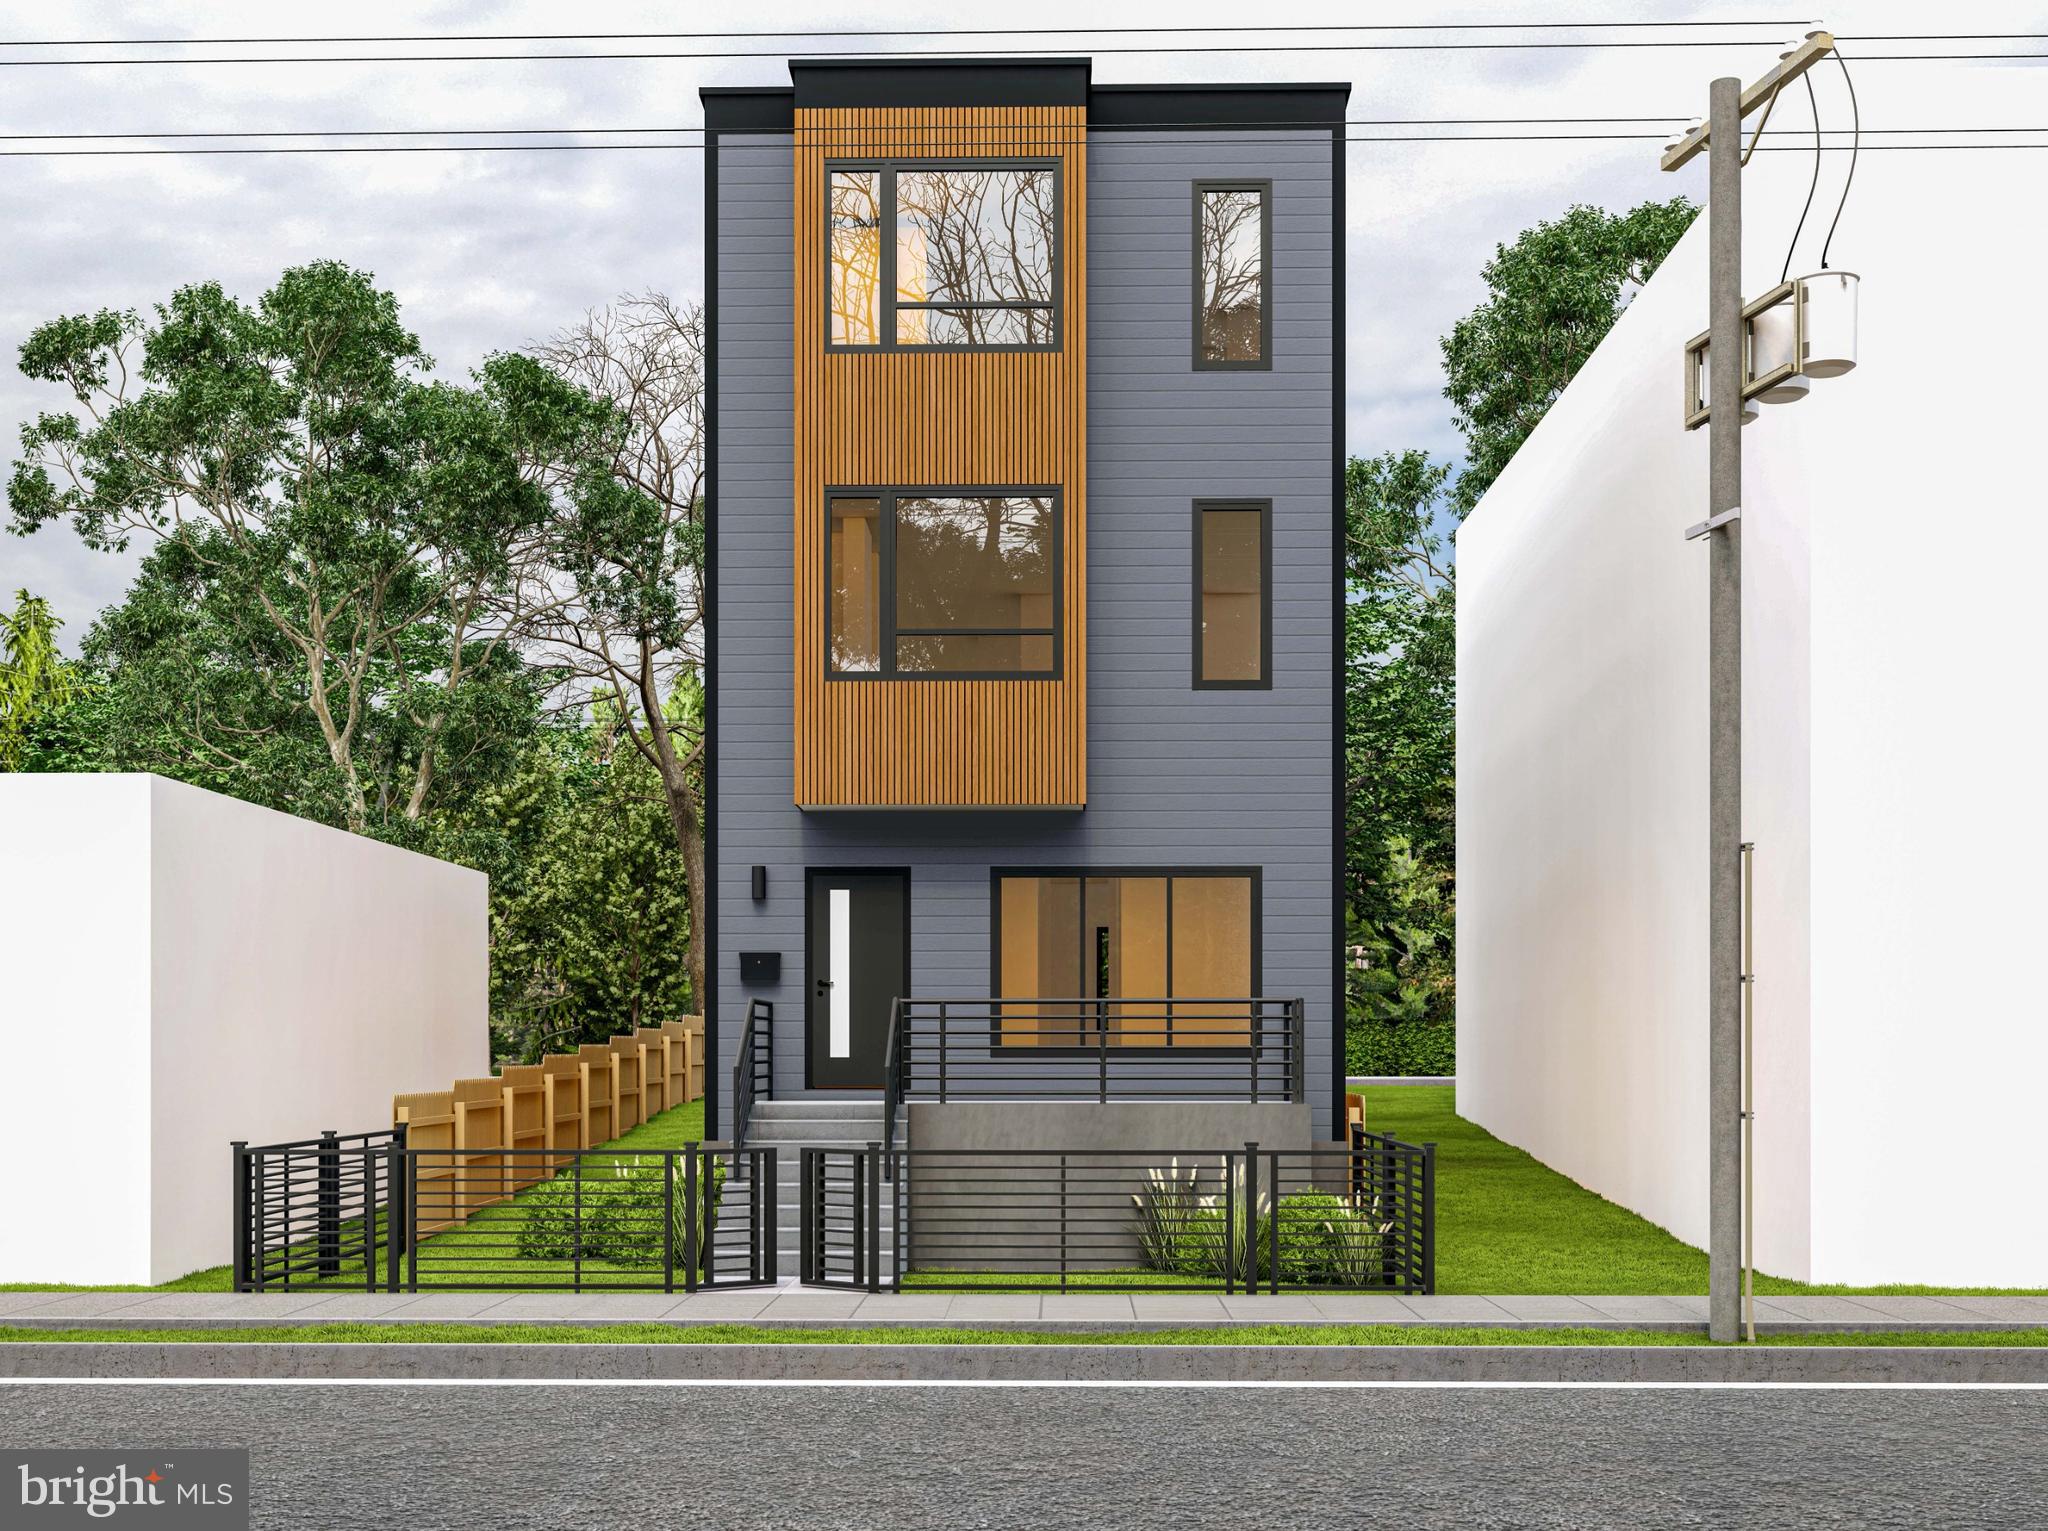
[[939, 418]]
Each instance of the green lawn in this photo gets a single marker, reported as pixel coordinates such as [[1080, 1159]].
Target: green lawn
[[751, 1334], [1506, 1224]]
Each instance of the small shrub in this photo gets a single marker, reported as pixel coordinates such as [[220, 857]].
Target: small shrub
[[1376, 1045], [1326, 1241], [1166, 1206], [620, 1211]]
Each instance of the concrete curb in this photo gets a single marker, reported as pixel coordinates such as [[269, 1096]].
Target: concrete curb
[[1766, 1327], [1357, 1081], [855, 1364]]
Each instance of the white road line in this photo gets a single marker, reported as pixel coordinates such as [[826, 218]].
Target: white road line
[[984, 1382]]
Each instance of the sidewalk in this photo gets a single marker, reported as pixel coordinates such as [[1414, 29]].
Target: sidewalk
[[811, 1307]]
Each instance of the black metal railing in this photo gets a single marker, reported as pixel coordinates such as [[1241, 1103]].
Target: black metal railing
[[753, 1067], [307, 1211], [367, 1212], [1095, 1049], [1358, 1217]]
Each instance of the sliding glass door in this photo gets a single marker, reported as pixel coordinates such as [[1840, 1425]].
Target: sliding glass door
[[1127, 959]]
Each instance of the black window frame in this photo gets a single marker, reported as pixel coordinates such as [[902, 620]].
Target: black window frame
[[1253, 874], [886, 638], [888, 167], [1264, 507], [1265, 359]]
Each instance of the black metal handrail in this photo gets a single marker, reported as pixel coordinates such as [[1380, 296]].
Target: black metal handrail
[[1355, 1217], [753, 1067], [1204, 1048], [892, 1072], [370, 1213]]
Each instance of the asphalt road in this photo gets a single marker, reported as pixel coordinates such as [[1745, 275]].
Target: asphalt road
[[1043, 1459]]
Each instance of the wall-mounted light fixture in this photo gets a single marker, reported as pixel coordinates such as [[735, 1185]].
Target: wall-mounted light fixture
[[760, 883]]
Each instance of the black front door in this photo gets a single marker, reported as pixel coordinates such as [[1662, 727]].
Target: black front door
[[857, 960]]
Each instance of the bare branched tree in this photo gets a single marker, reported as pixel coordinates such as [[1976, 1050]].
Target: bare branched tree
[[618, 582]]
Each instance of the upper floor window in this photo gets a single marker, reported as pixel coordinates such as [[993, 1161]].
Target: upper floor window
[[943, 584], [1233, 614], [1233, 256], [943, 254]]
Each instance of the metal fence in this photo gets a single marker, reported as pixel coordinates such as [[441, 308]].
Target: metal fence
[[1236, 1049], [369, 1213], [305, 1212], [1360, 1217]]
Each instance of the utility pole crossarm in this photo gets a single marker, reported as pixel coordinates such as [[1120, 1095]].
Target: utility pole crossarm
[[1802, 58]]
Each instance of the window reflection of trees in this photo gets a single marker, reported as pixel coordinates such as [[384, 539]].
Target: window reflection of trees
[[973, 251], [856, 255], [974, 578], [1233, 274]]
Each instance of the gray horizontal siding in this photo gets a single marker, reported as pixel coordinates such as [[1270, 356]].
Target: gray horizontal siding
[[1177, 777]]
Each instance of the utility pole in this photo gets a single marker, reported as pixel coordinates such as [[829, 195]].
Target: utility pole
[[1728, 370]]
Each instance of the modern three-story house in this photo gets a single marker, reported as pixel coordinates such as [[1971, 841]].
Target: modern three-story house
[[1026, 465]]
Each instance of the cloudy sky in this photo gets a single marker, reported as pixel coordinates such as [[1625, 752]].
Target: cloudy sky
[[491, 250]]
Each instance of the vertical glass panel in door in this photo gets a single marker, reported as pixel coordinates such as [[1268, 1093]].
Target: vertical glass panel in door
[[1040, 960], [1212, 945]]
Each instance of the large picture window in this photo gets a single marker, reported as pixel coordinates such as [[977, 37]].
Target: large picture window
[[1233, 261], [948, 584], [943, 254], [1134, 959]]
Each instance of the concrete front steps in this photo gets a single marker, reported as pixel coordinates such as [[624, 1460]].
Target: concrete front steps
[[789, 1127]]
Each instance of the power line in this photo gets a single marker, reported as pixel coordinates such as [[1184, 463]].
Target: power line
[[1039, 142], [1139, 31], [668, 55], [664, 56], [921, 128], [928, 129]]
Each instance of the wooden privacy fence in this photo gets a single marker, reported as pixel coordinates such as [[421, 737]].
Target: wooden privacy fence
[[567, 1101]]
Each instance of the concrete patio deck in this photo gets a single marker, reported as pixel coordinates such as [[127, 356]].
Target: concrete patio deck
[[811, 1307]]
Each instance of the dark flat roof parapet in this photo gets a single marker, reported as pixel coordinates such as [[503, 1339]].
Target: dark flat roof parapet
[[749, 108], [940, 82], [955, 82], [1273, 105]]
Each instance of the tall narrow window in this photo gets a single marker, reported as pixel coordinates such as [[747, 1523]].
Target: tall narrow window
[[1233, 251], [856, 584], [943, 254], [1233, 611], [854, 219], [944, 585]]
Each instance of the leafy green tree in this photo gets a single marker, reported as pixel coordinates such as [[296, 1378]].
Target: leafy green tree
[[590, 920], [1552, 297], [615, 587], [335, 534], [1400, 807], [36, 683]]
